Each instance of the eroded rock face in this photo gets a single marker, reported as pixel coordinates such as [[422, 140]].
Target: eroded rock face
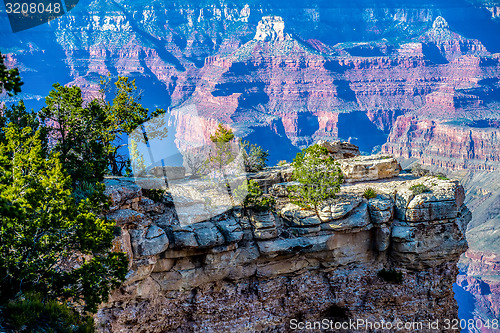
[[468, 148], [253, 270], [270, 28]]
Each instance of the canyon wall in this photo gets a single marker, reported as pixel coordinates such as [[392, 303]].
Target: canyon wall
[[447, 146], [245, 270]]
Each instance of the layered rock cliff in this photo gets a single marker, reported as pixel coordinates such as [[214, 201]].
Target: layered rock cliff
[[445, 145], [477, 289], [479, 266], [301, 92], [245, 270]]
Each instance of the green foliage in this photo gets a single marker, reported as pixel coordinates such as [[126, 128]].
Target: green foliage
[[73, 132], [254, 157], [419, 189], [221, 156], [85, 190], [10, 81], [442, 177], [18, 115], [31, 313], [319, 177], [43, 228], [88, 135], [136, 159], [392, 275], [369, 193], [282, 162], [55, 244], [223, 153], [156, 195], [122, 116], [250, 194]]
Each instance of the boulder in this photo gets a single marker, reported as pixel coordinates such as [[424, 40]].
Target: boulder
[[364, 168], [263, 220], [295, 216], [149, 242], [381, 216], [126, 216], [267, 178], [439, 203], [381, 209], [184, 236], [340, 149], [207, 234], [359, 218], [121, 189], [339, 209], [230, 229]]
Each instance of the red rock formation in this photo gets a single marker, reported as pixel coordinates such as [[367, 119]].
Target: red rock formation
[[444, 145], [481, 280]]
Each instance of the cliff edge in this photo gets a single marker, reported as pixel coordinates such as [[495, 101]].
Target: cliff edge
[[391, 257]]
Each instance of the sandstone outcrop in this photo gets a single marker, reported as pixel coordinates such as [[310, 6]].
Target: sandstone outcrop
[[363, 168], [339, 149], [245, 270]]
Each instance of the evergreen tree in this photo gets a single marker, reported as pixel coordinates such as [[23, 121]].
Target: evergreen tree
[[89, 137], [319, 177], [44, 231], [222, 156], [254, 157], [121, 117], [223, 153], [75, 132], [10, 81], [55, 247]]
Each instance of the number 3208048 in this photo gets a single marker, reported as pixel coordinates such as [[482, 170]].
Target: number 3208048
[[32, 8]]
